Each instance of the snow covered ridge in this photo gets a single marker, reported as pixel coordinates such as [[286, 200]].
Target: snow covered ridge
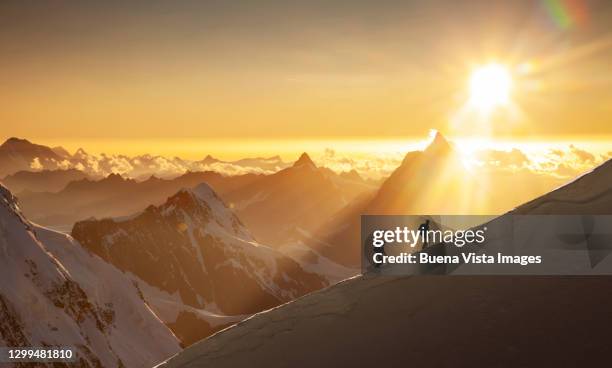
[[55, 293], [222, 215], [590, 193], [7, 197], [199, 267], [10, 201]]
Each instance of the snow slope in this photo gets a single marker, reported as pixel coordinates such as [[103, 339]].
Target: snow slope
[[53, 292], [427, 321]]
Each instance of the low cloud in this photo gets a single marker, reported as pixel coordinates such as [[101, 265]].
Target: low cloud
[[368, 166], [36, 165], [514, 158], [143, 166], [557, 162], [582, 155], [231, 169]]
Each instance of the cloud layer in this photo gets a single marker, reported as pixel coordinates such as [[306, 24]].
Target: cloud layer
[[557, 163]]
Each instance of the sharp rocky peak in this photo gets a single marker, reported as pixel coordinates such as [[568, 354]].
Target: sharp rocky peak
[[439, 144], [202, 193], [304, 160]]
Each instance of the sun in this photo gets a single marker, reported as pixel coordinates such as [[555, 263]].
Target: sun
[[490, 87]]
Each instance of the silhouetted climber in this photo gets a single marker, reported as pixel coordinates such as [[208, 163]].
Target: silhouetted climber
[[381, 251], [374, 251], [423, 228]]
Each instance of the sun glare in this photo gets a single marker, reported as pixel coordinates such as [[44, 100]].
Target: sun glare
[[490, 87]]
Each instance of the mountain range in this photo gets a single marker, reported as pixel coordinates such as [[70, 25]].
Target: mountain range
[[42, 181], [18, 154], [277, 207], [153, 265], [116, 196], [395, 321], [132, 291], [261, 201]]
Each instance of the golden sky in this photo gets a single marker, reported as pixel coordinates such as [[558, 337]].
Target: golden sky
[[156, 70]]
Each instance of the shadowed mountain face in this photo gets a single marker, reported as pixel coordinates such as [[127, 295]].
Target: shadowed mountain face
[[54, 293], [302, 197], [436, 321], [195, 254], [19, 154], [42, 181], [433, 181], [115, 196]]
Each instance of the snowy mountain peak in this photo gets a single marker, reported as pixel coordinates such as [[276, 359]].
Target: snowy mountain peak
[[197, 253], [10, 212], [205, 192], [201, 206], [304, 160], [9, 201]]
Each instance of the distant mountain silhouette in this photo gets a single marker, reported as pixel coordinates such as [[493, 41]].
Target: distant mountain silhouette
[[304, 160], [42, 181], [351, 175], [61, 151], [19, 154], [209, 160], [116, 196], [301, 197]]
